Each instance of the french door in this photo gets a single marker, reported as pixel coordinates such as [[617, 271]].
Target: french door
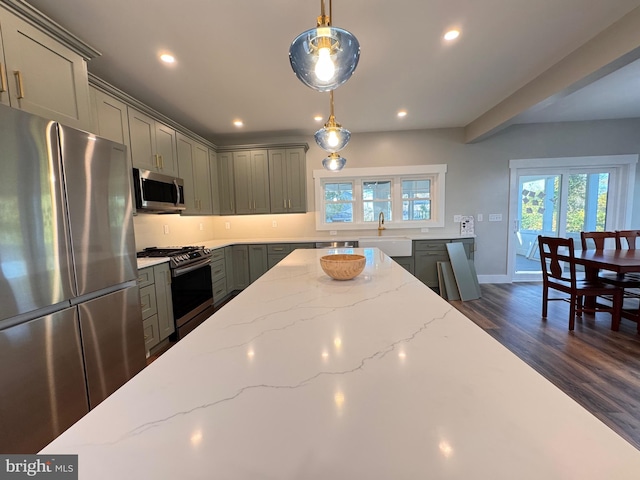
[[561, 201]]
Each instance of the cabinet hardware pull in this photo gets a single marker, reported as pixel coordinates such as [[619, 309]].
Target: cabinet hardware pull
[[156, 163], [285, 203], [3, 79], [289, 203], [18, 75], [161, 162]]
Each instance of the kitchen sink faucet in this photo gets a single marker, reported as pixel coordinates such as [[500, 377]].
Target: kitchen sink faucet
[[380, 223]]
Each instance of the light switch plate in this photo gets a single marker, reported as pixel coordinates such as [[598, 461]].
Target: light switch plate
[[457, 218], [495, 217], [480, 217]]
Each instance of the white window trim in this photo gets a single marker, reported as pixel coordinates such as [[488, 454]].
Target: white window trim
[[396, 175]]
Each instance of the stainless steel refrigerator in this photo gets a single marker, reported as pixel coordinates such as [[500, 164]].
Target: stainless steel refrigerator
[[70, 319]]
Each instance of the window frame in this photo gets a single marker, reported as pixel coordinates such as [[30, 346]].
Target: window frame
[[435, 173]]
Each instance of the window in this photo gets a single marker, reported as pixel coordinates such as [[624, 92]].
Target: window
[[408, 197]]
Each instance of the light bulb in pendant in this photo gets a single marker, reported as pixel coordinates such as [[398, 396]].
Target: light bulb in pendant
[[325, 69], [333, 139]]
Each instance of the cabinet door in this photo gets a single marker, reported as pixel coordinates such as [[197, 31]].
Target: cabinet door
[[45, 77], [215, 189], [4, 79], [166, 325], [111, 119], [226, 183], [258, 262], [240, 267], [426, 266], [229, 273], [278, 181], [260, 181], [242, 182], [186, 172], [142, 134], [296, 180], [202, 178], [165, 148]]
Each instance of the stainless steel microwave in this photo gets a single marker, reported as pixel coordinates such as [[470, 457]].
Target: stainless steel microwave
[[157, 193]]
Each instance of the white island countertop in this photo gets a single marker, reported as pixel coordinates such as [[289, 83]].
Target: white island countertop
[[305, 377]]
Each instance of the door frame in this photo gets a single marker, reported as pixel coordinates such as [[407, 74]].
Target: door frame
[[622, 182]]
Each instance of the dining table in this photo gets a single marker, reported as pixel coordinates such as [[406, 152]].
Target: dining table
[[620, 261]]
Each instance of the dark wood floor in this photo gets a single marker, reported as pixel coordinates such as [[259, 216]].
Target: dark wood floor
[[597, 367]]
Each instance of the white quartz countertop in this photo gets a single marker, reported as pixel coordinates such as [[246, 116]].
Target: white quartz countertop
[[150, 261], [305, 377]]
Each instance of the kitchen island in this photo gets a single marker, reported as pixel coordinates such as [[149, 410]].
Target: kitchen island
[[305, 377]]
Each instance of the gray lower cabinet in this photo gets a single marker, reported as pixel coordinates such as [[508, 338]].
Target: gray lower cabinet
[[240, 255], [278, 251], [405, 262], [427, 254], [154, 284], [219, 276], [258, 262], [228, 260]]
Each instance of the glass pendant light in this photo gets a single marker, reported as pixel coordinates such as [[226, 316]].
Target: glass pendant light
[[334, 162], [332, 137], [324, 57]]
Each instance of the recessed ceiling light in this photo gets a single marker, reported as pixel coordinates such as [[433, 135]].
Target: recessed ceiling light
[[402, 113], [167, 58], [452, 35], [318, 118], [238, 123]]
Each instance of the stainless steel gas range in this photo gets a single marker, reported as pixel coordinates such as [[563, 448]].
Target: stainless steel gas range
[[191, 287]]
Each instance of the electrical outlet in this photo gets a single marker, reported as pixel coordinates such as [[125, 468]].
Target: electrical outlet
[[274, 224], [495, 217], [333, 232], [201, 226], [424, 230], [457, 218], [166, 229], [227, 225], [480, 217]]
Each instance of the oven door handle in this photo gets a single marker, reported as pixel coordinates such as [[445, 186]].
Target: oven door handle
[[176, 272]]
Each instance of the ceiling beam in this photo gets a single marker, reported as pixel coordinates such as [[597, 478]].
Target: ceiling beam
[[613, 48]]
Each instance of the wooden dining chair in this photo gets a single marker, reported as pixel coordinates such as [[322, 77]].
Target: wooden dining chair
[[598, 240], [565, 280], [627, 239]]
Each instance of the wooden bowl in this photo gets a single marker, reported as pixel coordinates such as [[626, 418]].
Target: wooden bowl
[[343, 266]]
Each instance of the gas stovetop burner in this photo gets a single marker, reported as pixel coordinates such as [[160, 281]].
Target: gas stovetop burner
[[179, 256]]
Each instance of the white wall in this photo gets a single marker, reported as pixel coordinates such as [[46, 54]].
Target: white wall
[[477, 180]]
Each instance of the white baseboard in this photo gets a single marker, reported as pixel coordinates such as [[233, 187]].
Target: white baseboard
[[494, 279]]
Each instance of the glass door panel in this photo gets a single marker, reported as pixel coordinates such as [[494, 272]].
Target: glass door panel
[[557, 204], [538, 213]]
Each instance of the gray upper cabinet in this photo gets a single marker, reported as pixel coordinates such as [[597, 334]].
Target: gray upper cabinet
[[288, 180], [109, 117], [251, 181], [215, 190], [42, 76], [226, 190], [153, 144], [193, 168]]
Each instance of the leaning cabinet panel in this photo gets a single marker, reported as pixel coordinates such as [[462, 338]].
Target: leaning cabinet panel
[[40, 75]]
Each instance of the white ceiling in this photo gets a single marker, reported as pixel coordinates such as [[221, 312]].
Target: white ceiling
[[232, 60]]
